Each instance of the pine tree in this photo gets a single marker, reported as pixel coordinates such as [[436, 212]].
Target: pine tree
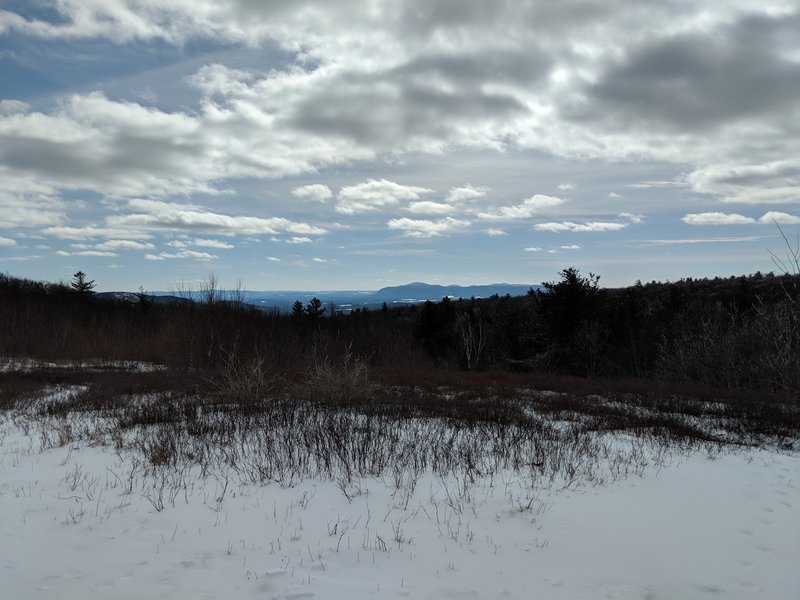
[[81, 285], [314, 308], [297, 310]]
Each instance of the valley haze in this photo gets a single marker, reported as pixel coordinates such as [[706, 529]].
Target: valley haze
[[346, 300]]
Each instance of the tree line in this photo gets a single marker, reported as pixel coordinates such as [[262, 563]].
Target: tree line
[[728, 333]]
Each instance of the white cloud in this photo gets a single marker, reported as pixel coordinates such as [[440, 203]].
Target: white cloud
[[123, 245], [580, 227], [10, 107], [716, 218], [86, 253], [185, 254], [658, 184], [528, 208], [742, 182], [90, 232], [189, 217], [568, 78], [455, 201], [465, 193], [428, 207], [273, 259], [7, 242], [423, 228], [27, 202], [203, 243], [633, 218], [320, 260], [374, 194], [715, 240], [570, 247], [781, 218], [317, 192], [533, 249], [299, 240], [494, 232], [566, 186]]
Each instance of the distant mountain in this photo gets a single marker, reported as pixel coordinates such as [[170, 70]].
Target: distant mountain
[[134, 298], [420, 292], [342, 300]]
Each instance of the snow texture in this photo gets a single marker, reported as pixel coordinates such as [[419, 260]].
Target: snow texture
[[77, 522]]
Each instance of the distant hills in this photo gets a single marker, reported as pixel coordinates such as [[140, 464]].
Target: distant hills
[[344, 300], [155, 298], [419, 292]]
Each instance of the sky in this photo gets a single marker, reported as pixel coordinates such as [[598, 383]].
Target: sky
[[314, 145]]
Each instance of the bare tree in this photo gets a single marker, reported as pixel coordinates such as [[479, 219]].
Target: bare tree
[[789, 264], [473, 339]]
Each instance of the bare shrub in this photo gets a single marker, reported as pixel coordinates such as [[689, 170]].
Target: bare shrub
[[347, 381], [247, 379]]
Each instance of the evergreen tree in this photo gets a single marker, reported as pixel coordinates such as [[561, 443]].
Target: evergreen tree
[[314, 308], [81, 285]]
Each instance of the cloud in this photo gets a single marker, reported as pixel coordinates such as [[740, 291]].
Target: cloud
[[317, 192], [316, 259], [710, 76], [771, 182], [86, 253], [374, 194], [631, 217], [465, 193], [781, 218], [273, 259], [185, 254], [533, 249], [7, 242], [580, 227], [10, 107], [28, 203], [715, 91], [422, 228], [528, 208], [189, 217], [566, 186], [715, 240], [494, 232], [88, 232], [212, 244], [299, 240], [455, 201], [427, 207], [717, 218], [111, 147], [112, 245], [570, 247]]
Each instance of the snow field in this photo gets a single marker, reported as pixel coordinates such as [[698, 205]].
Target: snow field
[[82, 521]]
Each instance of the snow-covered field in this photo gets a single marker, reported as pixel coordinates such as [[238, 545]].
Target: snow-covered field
[[83, 521]]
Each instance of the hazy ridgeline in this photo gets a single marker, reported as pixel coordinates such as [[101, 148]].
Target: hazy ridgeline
[[740, 333]]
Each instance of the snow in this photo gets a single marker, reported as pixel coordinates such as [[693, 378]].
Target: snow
[[80, 522], [27, 365]]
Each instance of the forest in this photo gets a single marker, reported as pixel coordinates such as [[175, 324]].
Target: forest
[[735, 333]]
